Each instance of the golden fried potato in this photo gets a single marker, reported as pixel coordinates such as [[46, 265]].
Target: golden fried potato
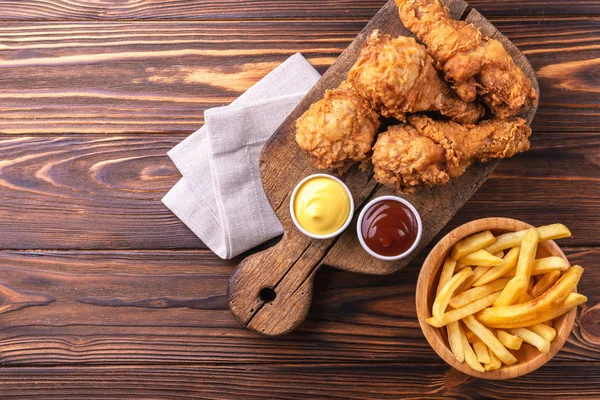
[[471, 244], [503, 304], [514, 239], [545, 303]]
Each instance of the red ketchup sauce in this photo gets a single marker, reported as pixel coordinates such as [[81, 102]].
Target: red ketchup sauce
[[389, 228]]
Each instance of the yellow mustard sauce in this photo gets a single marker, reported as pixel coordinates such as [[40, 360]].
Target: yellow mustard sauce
[[321, 206]]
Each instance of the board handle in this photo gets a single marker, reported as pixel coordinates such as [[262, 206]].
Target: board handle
[[270, 292]]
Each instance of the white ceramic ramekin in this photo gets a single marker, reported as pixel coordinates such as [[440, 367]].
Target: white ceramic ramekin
[[410, 207], [312, 235]]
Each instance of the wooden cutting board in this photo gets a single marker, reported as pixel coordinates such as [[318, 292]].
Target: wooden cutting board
[[270, 292]]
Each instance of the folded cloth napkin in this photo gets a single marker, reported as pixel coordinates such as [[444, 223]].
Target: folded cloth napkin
[[220, 197]]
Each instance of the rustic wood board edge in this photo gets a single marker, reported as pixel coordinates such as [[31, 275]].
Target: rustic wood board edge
[[270, 292]]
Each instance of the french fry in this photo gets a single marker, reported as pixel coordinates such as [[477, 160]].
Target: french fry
[[526, 311], [542, 266], [547, 280], [572, 301], [478, 272], [472, 244], [481, 351], [470, 357], [524, 298], [503, 295], [527, 253], [470, 335], [508, 262], [514, 239], [462, 312], [548, 264], [490, 340], [545, 331], [446, 274], [460, 266], [443, 298], [518, 285], [510, 341], [455, 340], [511, 273], [532, 338], [481, 258], [512, 292], [476, 293], [494, 364]]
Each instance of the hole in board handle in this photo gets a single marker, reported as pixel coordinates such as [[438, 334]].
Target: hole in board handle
[[267, 294]]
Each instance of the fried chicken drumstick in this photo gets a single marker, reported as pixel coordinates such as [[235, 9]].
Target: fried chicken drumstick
[[339, 129], [405, 160], [465, 144], [475, 64], [396, 75], [429, 152]]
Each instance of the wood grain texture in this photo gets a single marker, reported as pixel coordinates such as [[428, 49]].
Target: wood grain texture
[[287, 270], [144, 77], [14, 300], [155, 324], [97, 191], [43, 10], [169, 307], [323, 381], [88, 192], [159, 77]]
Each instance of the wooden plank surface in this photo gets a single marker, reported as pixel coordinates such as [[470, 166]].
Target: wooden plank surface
[[169, 307], [43, 10], [86, 192], [89, 105], [159, 77], [291, 382]]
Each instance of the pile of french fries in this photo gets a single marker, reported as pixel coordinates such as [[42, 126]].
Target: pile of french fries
[[493, 295]]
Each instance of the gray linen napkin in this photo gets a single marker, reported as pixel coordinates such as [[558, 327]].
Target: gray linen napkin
[[220, 197]]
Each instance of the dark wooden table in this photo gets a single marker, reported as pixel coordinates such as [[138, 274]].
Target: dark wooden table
[[93, 95]]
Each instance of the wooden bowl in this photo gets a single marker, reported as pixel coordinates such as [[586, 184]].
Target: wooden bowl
[[529, 357]]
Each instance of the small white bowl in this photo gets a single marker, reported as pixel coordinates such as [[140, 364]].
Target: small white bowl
[[293, 214], [399, 200]]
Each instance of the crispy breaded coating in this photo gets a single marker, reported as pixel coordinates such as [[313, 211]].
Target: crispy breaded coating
[[405, 160], [475, 64], [397, 76], [466, 144], [429, 152], [339, 129]]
